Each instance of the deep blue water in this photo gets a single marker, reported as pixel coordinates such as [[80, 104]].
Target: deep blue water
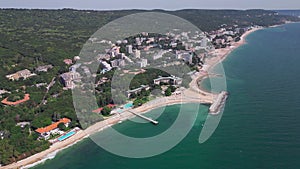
[[260, 127]]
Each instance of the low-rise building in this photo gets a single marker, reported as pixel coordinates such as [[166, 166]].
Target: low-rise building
[[2, 91], [220, 41], [106, 65], [204, 42], [76, 58], [104, 57], [68, 79], [20, 74], [172, 80], [23, 124], [142, 63], [159, 55], [138, 41], [40, 84], [118, 63], [129, 49], [137, 90], [229, 39], [45, 132], [150, 40], [101, 108], [186, 56], [44, 68], [74, 67], [173, 44], [68, 61], [137, 53]]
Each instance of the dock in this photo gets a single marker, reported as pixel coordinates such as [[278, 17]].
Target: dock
[[220, 100], [144, 117]]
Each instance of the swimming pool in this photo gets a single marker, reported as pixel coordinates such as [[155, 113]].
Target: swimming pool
[[128, 105], [66, 136]]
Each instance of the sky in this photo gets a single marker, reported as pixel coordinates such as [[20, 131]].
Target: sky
[[152, 4]]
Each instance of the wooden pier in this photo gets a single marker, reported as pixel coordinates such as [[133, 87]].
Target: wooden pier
[[144, 117]]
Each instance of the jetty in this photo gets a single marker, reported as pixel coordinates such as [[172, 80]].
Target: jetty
[[144, 117], [218, 103]]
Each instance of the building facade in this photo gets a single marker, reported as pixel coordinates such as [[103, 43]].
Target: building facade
[[20, 74], [172, 80], [68, 79]]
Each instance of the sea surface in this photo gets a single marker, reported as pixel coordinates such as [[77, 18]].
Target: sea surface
[[260, 127]]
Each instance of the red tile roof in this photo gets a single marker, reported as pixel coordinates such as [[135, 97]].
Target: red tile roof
[[98, 110], [68, 61], [101, 108], [26, 98], [52, 126]]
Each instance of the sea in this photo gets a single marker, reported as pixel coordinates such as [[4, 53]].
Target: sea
[[259, 129]]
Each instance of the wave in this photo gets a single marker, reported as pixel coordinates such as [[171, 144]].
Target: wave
[[51, 155]]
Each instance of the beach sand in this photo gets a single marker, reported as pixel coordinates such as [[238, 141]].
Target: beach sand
[[219, 56], [192, 95]]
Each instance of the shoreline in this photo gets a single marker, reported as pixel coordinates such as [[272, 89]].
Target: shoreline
[[199, 95], [221, 55]]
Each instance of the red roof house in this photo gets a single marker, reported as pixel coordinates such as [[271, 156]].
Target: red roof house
[[101, 108], [53, 126]]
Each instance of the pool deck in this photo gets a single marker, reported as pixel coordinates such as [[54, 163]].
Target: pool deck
[[66, 136]]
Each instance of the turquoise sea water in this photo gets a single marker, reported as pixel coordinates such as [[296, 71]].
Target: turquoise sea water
[[260, 127]]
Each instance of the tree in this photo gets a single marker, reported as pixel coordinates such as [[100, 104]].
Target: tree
[[56, 116], [168, 92], [119, 99], [173, 88], [137, 102], [41, 122], [156, 90], [106, 111], [17, 118], [133, 95], [237, 39], [15, 97], [62, 126], [145, 92]]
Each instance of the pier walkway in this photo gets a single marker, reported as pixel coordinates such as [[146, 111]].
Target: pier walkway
[[144, 117]]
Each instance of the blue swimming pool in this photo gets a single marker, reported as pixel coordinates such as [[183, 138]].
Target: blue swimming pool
[[66, 136], [128, 105]]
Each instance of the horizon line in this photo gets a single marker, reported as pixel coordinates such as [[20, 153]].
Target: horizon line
[[144, 9]]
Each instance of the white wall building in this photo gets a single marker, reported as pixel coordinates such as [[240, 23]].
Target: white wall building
[[143, 63], [129, 49]]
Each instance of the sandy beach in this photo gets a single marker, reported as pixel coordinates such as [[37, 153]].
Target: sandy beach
[[192, 95], [219, 56]]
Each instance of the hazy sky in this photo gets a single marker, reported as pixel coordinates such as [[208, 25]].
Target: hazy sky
[[152, 4]]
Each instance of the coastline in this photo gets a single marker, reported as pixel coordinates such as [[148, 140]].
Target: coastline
[[199, 95], [220, 56]]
